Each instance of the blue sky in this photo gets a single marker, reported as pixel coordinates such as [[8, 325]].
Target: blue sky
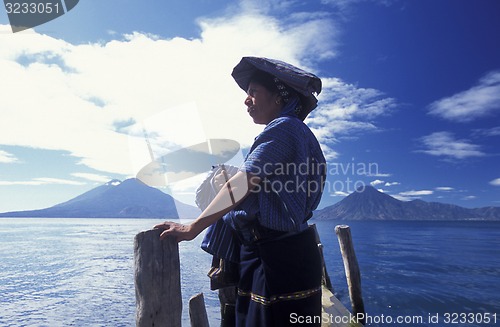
[[410, 101]]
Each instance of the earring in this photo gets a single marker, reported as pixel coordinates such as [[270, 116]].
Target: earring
[[278, 101]]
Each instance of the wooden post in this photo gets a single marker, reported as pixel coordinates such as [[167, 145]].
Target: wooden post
[[157, 280], [351, 270], [197, 311]]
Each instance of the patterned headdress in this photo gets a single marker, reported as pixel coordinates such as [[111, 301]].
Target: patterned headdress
[[286, 95], [291, 81]]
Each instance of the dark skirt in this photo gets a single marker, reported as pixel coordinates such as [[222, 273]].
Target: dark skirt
[[280, 282]]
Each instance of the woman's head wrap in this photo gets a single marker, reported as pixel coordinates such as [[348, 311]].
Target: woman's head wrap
[[290, 81]]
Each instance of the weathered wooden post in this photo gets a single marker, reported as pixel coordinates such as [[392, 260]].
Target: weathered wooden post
[[157, 280], [351, 270], [197, 311]]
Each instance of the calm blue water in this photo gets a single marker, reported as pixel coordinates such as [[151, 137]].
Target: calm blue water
[[79, 272]]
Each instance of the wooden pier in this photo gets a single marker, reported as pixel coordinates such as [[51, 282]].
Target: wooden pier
[[158, 287]]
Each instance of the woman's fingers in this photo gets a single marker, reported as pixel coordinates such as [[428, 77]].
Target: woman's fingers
[[164, 225], [179, 231]]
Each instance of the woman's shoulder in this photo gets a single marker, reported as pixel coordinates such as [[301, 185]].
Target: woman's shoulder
[[289, 127], [285, 122], [280, 129], [289, 130]]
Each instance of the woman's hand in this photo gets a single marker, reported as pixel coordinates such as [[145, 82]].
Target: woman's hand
[[181, 232]]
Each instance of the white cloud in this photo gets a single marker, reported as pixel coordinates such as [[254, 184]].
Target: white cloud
[[78, 93], [339, 193], [494, 131], [348, 102], [412, 195], [444, 144], [264, 6], [391, 183], [402, 198], [6, 157], [444, 188], [345, 5], [48, 180], [416, 193], [92, 177], [83, 98], [495, 182], [346, 110], [479, 101], [377, 174], [376, 182], [42, 181]]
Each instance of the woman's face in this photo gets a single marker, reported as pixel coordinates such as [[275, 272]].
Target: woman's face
[[262, 105]]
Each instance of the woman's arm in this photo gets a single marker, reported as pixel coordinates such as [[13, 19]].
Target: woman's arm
[[232, 193]]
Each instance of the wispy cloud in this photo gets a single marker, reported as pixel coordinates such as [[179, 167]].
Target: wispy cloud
[[416, 193], [339, 193], [444, 188], [349, 102], [479, 101], [412, 195], [6, 157], [495, 182], [42, 181], [494, 131], [402, 198], [345, 5], [378, 174], [347, 110], [92, 177], [380, 182], [444, 144]]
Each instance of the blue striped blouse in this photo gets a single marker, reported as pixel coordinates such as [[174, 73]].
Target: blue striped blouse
[[288, 159]]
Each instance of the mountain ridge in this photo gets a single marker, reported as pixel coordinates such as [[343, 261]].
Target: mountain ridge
[[114, 199], [134, 199], [367, 203]]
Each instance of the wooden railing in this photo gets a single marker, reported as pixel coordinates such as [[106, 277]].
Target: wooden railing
[[158, 286]]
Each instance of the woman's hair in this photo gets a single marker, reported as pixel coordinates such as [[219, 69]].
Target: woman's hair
[[273, 85], [266, 80]]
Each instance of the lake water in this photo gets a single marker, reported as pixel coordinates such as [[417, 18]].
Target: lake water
[[79, 272]]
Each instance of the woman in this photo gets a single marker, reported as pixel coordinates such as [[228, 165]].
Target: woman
[[271, 197]]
